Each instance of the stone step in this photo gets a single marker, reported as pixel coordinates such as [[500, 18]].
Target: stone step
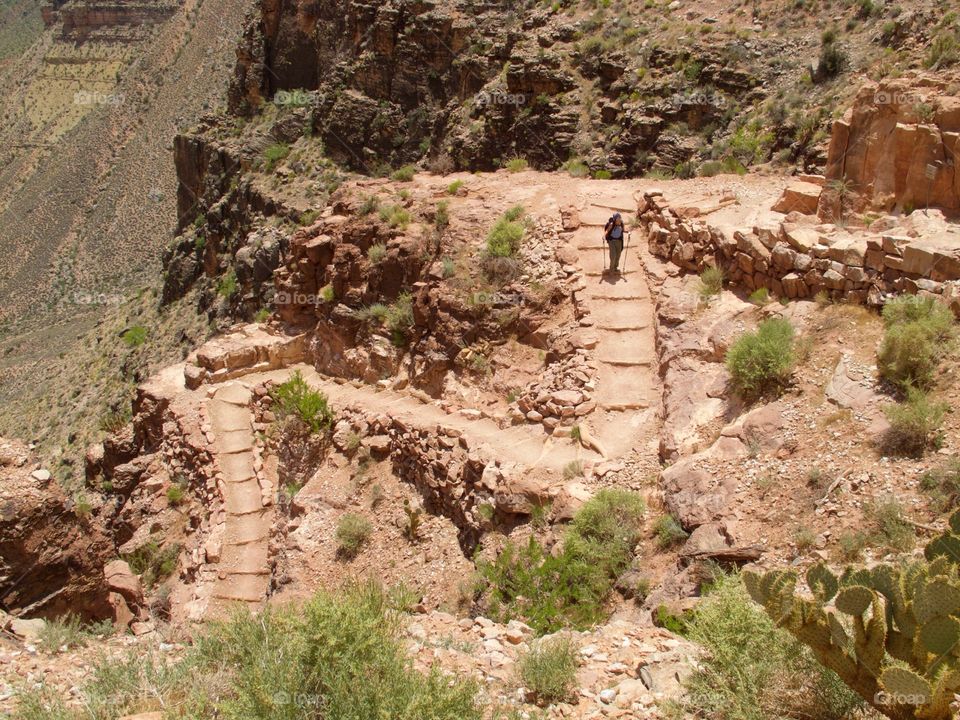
[[243, 588]]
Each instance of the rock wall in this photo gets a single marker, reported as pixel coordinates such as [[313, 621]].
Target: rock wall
[[52, 552], [898, 144], [83, 18], [799, 257]]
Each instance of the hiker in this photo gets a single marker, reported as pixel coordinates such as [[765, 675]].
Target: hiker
[[613, 233]]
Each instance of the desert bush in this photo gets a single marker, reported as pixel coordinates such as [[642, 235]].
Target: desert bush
[[352, 532], [399, 319], [914, 424], [549, 670], [340, 655], [395, 216], [63, 632], [227, 285], [441, 218], [404, 174], [517, 164], [295, 398], [944, 51], [889, 528], [761, 362], [376, 252], [175, 494], [942, 485], [669, 532], [711, 282], [275, 154], [918, 335], [752, 670], [153, 562], [577, 168], [454, 187], [550, 591], [759, 297], [370, 204], [134, 336], [504, 238]]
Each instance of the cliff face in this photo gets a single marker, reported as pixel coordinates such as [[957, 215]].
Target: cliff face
[[82, 18], [473, 84], [898, 145], [51, 551]]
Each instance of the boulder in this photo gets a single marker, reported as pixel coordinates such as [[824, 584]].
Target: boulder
[[799, 196], [693, 495]]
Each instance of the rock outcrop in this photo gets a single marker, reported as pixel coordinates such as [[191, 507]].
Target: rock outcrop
[[897, 145], [52, 552]]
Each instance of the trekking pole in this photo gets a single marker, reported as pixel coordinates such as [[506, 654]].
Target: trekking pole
[[625, 254], [603, 247]]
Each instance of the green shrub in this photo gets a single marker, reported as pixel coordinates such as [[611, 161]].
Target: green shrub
[[441, 218], [404, 174], [514, 213], [371, 203], [504, 238], [914, 424], [227, 285], [399, 319], [352, 532], [376, 252], [549, 670], [134, 336], [918, 334], [175, 494], [889, 528], [759, 297], [573, 469], [711, 282], [550, 591], [340, 655], [295, 398], [63, 632], [454, 187], [262, 315], [395, 216], [669, 532], [577, 168], [942, 484], [832, 59], [752, 670], [153, 562], [327, 293], [944, 51], [761, 362], [602, 175], [517, 164], [275, 154]]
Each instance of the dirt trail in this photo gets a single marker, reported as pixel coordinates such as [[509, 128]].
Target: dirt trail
[[621, 309], [523, 444], [243, 570]]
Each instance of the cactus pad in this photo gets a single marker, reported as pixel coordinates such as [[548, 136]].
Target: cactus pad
[[822, 582], [854, 600], [905, 685], [940, 635]]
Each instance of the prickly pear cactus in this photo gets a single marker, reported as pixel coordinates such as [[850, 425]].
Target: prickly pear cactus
[[891, 632]]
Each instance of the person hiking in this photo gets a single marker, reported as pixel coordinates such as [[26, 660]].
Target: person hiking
[[613, 233]]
